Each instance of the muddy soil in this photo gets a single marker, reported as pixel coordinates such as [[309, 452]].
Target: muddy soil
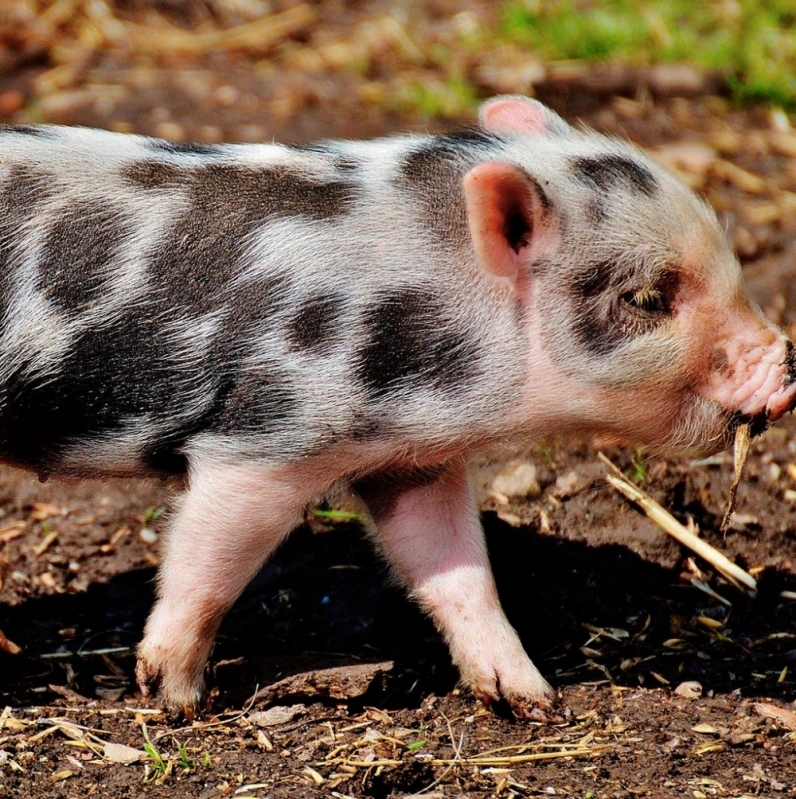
[[325, 681]]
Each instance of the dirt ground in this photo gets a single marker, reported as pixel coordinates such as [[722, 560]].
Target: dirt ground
[[325, 680]]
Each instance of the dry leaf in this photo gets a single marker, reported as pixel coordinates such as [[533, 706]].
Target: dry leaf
[[742, 439], [785, 718], [120, 753], [8, 646]]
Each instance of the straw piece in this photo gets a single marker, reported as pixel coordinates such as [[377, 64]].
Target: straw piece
[[258, 36], [730, 571], [742, 439]]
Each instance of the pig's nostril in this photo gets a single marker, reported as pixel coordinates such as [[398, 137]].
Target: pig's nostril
[[790, 365]]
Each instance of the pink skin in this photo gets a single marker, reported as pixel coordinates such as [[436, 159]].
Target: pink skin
[[433, 538], [751, 375], [231, 519], [746, 373]]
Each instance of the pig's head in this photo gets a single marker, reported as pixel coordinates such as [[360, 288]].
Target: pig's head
[[638, 320]]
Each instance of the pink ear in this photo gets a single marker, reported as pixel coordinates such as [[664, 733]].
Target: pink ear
[[514, 114], [505, 209]]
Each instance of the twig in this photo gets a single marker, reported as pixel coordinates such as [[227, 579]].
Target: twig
[[258, 36], [7, 645], [742, 439], [210, 724], [475, 761], [729, 570], [710, 592], [457, 757]]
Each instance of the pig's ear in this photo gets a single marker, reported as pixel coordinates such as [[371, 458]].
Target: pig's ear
[[513, 115], [506, 211]]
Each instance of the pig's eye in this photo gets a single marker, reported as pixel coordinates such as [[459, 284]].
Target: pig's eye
[[647, 301]]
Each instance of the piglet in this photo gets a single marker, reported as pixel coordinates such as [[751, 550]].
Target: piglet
[[275, 322]]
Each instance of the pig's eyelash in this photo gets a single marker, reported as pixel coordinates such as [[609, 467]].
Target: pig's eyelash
[[650, 301]]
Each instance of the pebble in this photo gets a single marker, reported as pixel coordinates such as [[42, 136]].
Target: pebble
[[689, 690], [148, 536]]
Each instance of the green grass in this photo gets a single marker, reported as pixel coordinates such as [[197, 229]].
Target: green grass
[[752, 42], [639, 468], [159, 768]]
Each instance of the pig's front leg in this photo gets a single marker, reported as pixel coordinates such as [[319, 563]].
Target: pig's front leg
[[231, 519], [428, 526]]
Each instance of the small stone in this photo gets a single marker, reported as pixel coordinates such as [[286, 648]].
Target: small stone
[[517, 479], [280, 714], [148, 536], [689, 690], [569, 484]]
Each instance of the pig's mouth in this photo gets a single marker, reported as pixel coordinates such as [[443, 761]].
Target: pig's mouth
[[758, 423]]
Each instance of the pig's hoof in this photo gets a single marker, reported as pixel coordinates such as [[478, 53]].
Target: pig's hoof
[[543, 711], [147, 676], [538, 704], [177, 699]]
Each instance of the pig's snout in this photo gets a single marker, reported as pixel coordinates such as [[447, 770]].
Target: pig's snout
[[784, 398], [790, 363], [756, 382]]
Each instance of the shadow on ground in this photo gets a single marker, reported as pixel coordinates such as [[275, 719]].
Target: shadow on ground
[[585, 613]]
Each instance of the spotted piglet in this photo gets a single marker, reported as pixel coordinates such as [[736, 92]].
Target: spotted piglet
[[277, 321]]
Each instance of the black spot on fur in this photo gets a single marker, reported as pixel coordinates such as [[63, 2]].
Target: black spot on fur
[[315, 322], [24, 189], [249, 399], [154, 174], [252, 402], [27, 130], [365, 427], [110, 376], [257, 401], [597, 330], [604, 318], [251, 307], [595, 281], [341, 162], [425, 162], [596, 326], [127, 375], [594, 308], [595, 211], [203, 250], [78, 252], [20, 195], [250, 310], [607, 172], [184, 148], [409, 341], [291, 194], [434, 171]]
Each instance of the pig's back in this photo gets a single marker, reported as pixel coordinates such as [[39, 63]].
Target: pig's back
[[279, 299]]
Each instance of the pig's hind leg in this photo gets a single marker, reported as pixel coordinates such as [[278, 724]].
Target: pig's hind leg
[[428, 527], [230, 520]]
